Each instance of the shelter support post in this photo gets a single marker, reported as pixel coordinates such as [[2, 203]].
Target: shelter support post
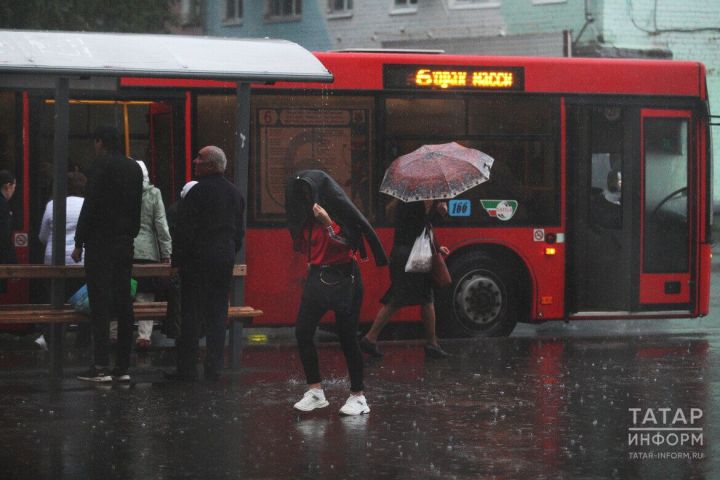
[[60, 166], [240, 178]]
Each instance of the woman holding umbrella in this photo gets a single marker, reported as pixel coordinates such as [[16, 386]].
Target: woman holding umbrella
[[408, 288], [422, 179]]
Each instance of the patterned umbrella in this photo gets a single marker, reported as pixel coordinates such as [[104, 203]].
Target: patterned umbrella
[[434, 172]]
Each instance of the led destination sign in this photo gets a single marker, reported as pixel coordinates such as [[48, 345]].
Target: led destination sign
[[445, 77]]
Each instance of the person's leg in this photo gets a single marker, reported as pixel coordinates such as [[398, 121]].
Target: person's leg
[[145, 327], [82, 338], [346, 321], [432, 347], [145, 293], [122, 273], [187, 342], [307, 321], [99, 282], [113, 331], [382, 318], [389, 300], [427, 313], [356, 404], [311, 311], [216, 301]]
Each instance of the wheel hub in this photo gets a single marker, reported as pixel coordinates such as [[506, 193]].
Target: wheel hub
[[480, 300]]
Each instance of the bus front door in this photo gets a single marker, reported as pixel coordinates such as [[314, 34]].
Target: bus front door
[[600, 206]]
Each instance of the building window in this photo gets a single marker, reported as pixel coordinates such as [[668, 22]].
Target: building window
[[233, 12], [189, 13], [283, 9], [340, 8], [404, 6], [546, 2], [466, 4]]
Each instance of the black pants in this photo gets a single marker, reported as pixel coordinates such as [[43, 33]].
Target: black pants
[[108, 268], [339, 290], [205, 288]]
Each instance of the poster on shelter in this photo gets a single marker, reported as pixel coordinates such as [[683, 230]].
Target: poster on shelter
[[294, 139]]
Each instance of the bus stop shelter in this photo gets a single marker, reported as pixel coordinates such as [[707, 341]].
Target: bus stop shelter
[[63, 62]]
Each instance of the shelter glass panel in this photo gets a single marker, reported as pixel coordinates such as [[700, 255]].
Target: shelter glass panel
[[10, 145]]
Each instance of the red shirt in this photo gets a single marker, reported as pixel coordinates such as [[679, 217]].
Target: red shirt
[[327, 245]]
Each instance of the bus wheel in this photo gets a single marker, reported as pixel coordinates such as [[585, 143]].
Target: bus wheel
[[483, 300]]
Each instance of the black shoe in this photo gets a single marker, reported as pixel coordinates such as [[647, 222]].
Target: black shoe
[[435, 351], [120, 375], [96, 375], [370, 348], [180, 377]]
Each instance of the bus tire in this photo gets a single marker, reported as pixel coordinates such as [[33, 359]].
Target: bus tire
[[484, 299]]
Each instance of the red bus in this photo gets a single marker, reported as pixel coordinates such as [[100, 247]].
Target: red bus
[[534, 243]]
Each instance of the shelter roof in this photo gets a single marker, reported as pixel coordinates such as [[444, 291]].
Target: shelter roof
[[152, 55]]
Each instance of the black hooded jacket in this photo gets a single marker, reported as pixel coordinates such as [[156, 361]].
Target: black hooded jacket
[[327, 193]]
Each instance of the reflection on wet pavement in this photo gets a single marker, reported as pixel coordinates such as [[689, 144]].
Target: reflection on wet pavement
[[498, 408]]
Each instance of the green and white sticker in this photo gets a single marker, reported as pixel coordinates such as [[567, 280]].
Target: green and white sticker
[[501, 209]]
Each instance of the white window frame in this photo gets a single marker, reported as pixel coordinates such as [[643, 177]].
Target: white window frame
[[547, 2], [238, 18], [294, 15], [408, 7], [345, 12], [470, 5]]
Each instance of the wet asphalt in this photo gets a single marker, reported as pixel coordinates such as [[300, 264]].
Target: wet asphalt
[[520, 407], [553, 401]]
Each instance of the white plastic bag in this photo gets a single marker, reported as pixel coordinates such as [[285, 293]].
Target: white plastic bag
[[420, 259]]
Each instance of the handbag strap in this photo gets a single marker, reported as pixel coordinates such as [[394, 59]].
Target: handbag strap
[[433, 241]]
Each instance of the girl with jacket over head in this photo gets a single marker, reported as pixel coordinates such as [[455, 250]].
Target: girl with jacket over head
[[152, 245], [408, 288], [333, 280]]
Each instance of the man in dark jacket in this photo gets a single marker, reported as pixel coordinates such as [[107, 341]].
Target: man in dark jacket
[[109, 221], [208, 234]]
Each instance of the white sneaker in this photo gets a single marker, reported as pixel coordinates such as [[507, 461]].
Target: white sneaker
[[355, 405], [40, 341], [314, 398]]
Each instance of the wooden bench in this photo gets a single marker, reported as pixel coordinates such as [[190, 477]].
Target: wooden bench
[[238, 316], [46, 313]]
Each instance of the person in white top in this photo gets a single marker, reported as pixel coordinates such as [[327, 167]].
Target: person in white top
[[76, 182], [76, 186]]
